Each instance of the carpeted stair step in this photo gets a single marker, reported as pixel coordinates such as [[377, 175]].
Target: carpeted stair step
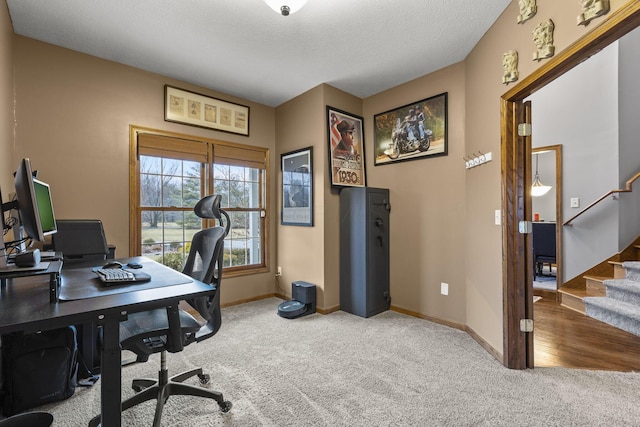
[[616, 313], [623, 290], [633, 270]]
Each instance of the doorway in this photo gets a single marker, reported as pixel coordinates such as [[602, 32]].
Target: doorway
[[516, 155], [547, 209]]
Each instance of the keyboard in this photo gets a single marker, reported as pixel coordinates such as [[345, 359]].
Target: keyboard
[[110, 276]]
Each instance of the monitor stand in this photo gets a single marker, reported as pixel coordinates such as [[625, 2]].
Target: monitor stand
[[17, 235], [3, 255]]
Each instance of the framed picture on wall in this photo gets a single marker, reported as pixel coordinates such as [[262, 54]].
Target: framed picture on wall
[[194, 109], [297, 187], [346, 149], [413, 131]]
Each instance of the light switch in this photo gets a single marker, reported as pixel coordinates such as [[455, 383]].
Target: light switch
[[575, 202], [498, 217], [444, 288]]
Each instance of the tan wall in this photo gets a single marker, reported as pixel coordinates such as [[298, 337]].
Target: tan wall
[[483, 184], [349, 103], [6, 105], [427, 204], [300, 249], [73, 118], [312, 253], [73, 113]]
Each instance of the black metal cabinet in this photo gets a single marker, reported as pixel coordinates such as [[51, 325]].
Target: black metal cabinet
[[364, 250]]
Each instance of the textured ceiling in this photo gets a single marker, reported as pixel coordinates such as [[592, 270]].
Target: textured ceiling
[[243, 48]]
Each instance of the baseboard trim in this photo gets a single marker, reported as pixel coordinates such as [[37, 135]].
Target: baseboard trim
[[328, 310], [484, 344], [429, 318], [245, 300], [481, 341]]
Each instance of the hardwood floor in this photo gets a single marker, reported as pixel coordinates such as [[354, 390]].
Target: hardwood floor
[[563, 337]]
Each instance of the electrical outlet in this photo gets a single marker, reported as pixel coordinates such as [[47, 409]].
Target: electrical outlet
[[279, 273], [575, 202], [444, 288]]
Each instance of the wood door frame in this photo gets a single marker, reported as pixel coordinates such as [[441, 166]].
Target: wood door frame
[[516, 166], [558, 218]]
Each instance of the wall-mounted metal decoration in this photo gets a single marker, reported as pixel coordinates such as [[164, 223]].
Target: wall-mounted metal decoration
[[592, 9], [543, 39], [528, 9], [510, 66]]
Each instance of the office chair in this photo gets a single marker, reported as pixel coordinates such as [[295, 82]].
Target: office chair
[[170, 330]]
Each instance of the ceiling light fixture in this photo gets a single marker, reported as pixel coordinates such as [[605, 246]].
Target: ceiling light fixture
[[285, 7], [537, 188]]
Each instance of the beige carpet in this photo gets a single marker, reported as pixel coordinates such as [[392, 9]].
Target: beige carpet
[[388, 370]]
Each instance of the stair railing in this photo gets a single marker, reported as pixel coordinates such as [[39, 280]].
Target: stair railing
[[627, 189]]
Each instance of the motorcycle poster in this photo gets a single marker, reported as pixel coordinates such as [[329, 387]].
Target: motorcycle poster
[[346, 149], [413, 131]]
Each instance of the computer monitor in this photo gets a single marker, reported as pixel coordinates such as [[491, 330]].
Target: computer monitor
[[34, 203], [45, 207]]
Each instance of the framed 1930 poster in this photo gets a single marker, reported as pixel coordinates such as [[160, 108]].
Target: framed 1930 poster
[[346, 149]]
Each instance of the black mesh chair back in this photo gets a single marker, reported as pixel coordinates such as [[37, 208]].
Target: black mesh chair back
[[205, 262]]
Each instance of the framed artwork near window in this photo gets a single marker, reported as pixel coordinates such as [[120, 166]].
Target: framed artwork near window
[[413, 131], [297, 187], [189, 108], [346, 149]]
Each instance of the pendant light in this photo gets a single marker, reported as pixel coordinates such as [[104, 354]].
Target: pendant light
[[285, 7], [537, 188]]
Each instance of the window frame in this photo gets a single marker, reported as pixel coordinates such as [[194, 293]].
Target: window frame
[[208, 155]]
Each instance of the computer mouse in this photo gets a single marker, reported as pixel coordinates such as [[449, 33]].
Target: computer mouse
[[134, 265], [113, 264]]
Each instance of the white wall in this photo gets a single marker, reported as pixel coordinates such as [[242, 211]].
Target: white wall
[[545, 205], [580, 111], [629, 103]]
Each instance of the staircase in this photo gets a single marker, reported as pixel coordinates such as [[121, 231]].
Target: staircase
[[620, 307], [611, 295]]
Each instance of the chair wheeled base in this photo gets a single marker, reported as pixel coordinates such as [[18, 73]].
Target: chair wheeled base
[[164, 387]]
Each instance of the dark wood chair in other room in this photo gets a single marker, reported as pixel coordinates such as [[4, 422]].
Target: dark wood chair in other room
[[544, 246]]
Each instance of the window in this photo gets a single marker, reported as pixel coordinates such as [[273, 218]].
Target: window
[[169, 188], [241, 188], [172, 174]]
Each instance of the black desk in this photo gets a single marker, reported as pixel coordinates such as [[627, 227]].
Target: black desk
[[25, 306], [52, 270]]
